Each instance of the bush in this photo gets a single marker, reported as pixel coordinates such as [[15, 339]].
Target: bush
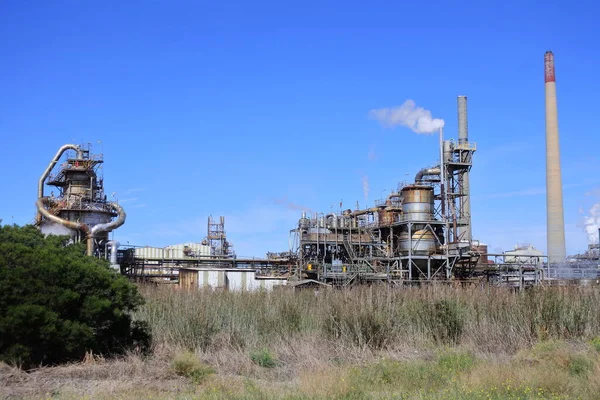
[[446, 322], [579, 365], [595, 342], [264, 358], [56, 304], [189, 366], [456, 362]]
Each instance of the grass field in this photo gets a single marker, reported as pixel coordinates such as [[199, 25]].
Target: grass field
[[422, 343]]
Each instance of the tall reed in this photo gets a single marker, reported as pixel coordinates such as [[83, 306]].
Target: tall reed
[[374, 318]]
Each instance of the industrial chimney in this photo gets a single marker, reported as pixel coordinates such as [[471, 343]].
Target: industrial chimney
[[463, 138], [554, 198]]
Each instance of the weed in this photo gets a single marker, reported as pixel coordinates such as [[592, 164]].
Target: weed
[[447, 321], [189, 365], [263, 358], [579, 365], [595, 342], [456, 362]]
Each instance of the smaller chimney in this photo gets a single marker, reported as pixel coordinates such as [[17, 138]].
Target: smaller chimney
[[463, 127]]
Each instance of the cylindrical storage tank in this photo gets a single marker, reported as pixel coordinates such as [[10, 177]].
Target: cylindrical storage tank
[[418, 203], [423, 242], [482, 249], [385, 217]]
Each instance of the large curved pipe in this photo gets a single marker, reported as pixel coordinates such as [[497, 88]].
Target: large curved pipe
[[51, 165], [426, 172], [109, 226], [89, 233], [41, 202]]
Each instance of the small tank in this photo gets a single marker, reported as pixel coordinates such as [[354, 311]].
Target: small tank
[[417, 204], [482, 249], [386, 217]]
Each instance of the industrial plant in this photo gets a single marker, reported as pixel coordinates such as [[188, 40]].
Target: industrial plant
[[79, 208], [421, 232]]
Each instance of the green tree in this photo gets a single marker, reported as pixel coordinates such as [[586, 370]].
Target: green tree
[[56, 303]]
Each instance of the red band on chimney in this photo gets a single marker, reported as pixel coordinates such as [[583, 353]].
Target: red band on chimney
[[549, 66]]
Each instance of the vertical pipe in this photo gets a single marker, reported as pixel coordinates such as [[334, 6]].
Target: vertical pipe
[[463, 138], [463, 128], [442, 181], [554, 199]]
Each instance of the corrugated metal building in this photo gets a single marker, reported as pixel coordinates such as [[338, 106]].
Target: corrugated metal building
[[236, 279], [523, 254], [173, 252]]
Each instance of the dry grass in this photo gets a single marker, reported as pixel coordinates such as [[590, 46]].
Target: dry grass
[[434, 342]]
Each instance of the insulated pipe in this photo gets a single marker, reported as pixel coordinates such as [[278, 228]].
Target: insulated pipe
[[114, 246], [426, 172], [89, 233], [554, 197], [51, 165], [109, 226]]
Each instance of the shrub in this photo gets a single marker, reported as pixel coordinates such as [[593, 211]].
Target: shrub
[[595, 342], [446, 321], [456, 362], [56, 304], [263, 358], [579, 365], [189, 366]]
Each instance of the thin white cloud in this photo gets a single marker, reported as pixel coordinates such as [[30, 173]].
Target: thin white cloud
[[133, 190], [372, 155], [532, 191], [128, 200]]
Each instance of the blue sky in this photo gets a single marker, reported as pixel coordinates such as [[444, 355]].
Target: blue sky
[[255, 110]]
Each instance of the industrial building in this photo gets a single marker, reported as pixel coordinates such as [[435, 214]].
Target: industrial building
[[421, 232], [80, 207]]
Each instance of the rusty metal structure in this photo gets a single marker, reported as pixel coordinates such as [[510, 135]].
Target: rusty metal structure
[[420, 232], [80, 207], [216, 238]]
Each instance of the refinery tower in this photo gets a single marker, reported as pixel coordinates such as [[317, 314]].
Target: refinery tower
[[79, 207]]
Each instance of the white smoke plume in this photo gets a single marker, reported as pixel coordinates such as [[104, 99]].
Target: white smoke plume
[[365, 186], [591, 223], [418, 119], [283, 201], [56, 229]]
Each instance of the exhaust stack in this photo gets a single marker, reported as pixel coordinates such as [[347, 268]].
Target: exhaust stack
[[463, 138], [554, 198]]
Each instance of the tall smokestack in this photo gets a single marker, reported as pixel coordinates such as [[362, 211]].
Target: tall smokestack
[[554, 200], [463, 138]]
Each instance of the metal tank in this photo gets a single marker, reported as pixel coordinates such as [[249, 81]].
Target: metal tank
[[386, 217], [423, 242], [482, 249], [417, 207], [418, 203]]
